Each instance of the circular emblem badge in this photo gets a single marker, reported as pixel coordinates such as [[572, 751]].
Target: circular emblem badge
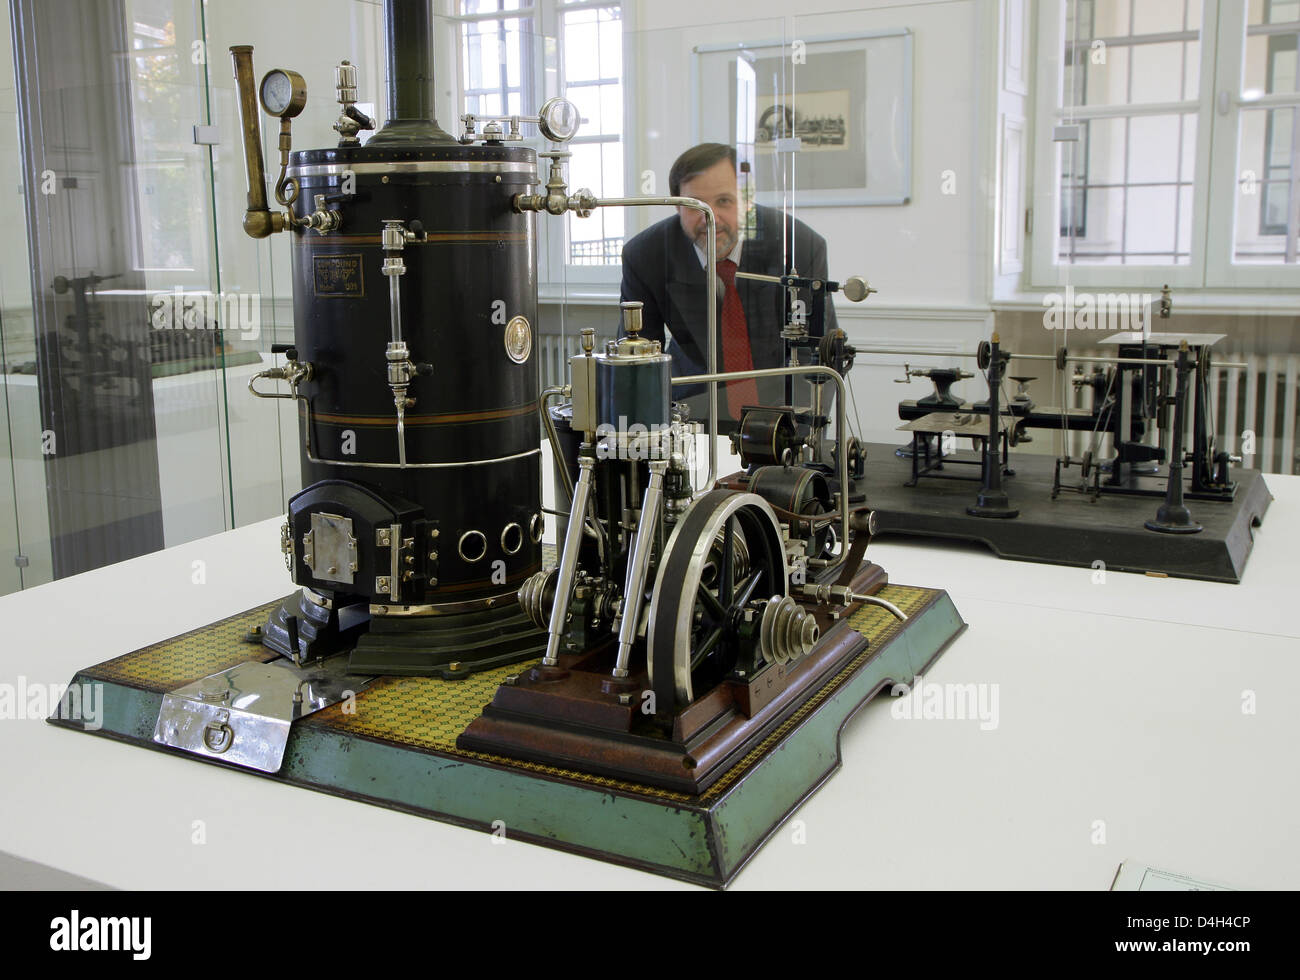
[[519, 339]]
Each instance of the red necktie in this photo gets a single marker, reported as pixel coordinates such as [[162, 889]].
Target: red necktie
[[736, 353]]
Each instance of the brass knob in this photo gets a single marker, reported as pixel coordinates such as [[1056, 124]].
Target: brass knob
[[631, 317]]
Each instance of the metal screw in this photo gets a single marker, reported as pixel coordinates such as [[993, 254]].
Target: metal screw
[[625, 699]]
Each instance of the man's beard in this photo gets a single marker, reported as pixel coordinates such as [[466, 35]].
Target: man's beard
[[726, 244]]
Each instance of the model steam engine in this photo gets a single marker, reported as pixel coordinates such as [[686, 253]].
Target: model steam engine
[[681, 626], [686, 618]]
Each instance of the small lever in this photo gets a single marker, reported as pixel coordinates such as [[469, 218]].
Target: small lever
[[359, 117], [291, 624]]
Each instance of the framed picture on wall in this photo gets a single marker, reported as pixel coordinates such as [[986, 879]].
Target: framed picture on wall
[[823, 121]]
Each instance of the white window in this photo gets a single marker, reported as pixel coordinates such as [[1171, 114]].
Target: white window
[[1255, 225], [1166, 145], [514, 55], [498, 51], [170, 239]]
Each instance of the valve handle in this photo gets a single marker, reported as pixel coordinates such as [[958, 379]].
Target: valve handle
[[359, 117]]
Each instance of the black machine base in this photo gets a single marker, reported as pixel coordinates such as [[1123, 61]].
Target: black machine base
[[1174, 520], [1072, 529], [449, 647], [995, 504], [322, 632]]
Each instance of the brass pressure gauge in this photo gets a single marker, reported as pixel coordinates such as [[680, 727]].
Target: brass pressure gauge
[[283, 93], [558, 119]]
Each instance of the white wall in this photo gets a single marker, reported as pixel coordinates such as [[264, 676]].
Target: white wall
[[931, 259], [930, 252]]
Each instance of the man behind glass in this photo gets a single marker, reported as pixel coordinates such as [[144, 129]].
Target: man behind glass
[[664, 268]]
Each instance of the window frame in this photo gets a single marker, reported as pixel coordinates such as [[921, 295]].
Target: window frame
[[1270, 133], [1044, 271], [1221, 271], [545, 78]]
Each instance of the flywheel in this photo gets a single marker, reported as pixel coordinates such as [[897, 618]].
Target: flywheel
[[697, 613]]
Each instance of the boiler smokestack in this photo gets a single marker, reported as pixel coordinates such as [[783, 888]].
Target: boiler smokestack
[[408, 51]]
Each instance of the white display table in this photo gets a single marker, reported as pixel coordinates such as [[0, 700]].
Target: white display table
[[1120, 735]]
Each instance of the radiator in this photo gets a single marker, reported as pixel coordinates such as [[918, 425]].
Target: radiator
[[554, 351], [1258, 400]]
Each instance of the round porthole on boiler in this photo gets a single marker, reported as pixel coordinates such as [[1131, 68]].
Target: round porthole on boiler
[[472, 546], [512, 538]]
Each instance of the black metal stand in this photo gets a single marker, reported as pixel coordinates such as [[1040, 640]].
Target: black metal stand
[[942, 399], [1173, 517], [993, 500]]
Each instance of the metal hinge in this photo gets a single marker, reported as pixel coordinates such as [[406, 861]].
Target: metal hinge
[[1029, 221], [22, 561], [206, 135], [286, 545]]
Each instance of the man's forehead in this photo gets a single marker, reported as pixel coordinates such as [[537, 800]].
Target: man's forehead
[[718, 179]]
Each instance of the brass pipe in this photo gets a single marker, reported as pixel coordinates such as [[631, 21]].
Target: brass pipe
[[259, 220]]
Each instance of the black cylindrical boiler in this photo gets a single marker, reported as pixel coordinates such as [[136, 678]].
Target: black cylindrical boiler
[[415, 556]]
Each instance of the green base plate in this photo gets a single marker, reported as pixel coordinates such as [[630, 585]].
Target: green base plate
[[398, 747]]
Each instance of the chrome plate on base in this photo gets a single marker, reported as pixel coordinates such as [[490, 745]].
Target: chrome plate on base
[[243, 715]]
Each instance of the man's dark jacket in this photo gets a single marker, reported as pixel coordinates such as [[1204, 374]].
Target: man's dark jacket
[[663, 271]]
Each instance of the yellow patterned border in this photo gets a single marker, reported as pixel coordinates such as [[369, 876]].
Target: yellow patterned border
[[183, 659], [428, 714]]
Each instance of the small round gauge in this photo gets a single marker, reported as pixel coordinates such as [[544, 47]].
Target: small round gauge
[[559, 120], [284, 93]]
